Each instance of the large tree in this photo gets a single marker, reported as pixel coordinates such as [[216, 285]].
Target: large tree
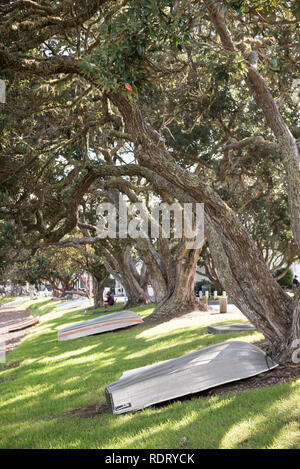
[[59, 268], [168, 264], [151, 62]]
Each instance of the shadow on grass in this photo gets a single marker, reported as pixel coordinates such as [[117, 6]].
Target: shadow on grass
[[56, 377], [236, 421]]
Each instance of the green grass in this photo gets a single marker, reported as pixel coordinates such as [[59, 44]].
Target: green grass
[[54, 377]]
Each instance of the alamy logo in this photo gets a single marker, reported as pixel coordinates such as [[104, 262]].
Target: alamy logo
[[135, 220]]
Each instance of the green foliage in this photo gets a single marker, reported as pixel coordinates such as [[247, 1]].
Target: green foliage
[[204, 283], [189, 89], [287, 280], [268, 8], [7, 237], [51, 266], [109, 282], [141, 28]]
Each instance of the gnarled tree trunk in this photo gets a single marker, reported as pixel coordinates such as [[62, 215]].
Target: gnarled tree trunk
[[155, 267], [181, 295], [238, 261], [120, 265], [99, 283]]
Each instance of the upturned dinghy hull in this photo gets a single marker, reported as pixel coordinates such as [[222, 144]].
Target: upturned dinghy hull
[[101, 324], [72, 304], [188, 374], [230, 328], [23, 324], [15, 303], [75, 292]]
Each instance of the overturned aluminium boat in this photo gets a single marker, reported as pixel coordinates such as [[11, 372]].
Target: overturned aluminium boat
[[32, 321], [75, 292], [72, 303], [188, 374], [222, 329], [106, 323], [13, 304]]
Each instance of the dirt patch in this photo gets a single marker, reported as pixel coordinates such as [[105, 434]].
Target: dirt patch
[[9, 366], [233, 313], [87, 412], [281, 374], [7, 318]]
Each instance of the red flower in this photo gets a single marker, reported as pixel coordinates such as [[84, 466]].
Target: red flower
[[128, 87]]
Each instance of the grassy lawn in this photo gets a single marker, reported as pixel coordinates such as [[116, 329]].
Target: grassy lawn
[[43, 379]]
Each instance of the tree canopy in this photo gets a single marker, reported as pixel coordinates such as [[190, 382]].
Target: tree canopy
[[196, 99]]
